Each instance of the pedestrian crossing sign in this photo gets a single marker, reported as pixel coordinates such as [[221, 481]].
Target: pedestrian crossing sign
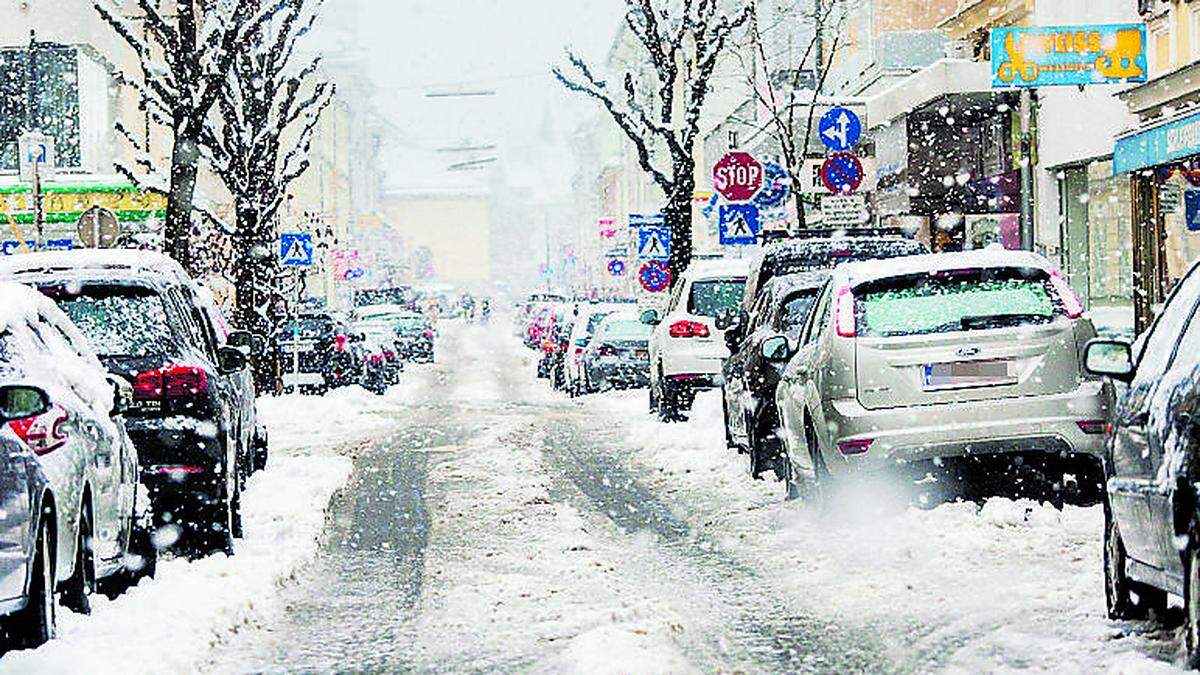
[[654, 243], [296, 249], [740, 224]]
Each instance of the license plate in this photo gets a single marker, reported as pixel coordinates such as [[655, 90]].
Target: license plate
[[969, 374], [293, 347]]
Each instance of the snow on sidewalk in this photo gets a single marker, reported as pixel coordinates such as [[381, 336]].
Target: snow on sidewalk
[[169, 623]]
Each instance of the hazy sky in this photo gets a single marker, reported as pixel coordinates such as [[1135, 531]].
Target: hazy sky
[[417, 46]]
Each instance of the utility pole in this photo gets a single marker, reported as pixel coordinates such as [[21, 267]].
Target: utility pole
[[1026, 113]]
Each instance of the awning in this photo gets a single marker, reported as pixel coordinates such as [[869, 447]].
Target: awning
[[1162, 142], [947, 76]]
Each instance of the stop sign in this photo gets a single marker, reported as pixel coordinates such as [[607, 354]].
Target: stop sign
[[738, 176]]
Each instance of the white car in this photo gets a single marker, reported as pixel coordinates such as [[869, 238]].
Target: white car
[[77, 437], [587, 319], [687, 349]]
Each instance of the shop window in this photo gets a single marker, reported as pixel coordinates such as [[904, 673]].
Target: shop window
[[39, 89], [1110, 228], [1182, 243]]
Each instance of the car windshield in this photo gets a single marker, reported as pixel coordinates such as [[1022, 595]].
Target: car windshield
[[710, 296], [117, 320], [964, 301], [624, 329], [795, 310]]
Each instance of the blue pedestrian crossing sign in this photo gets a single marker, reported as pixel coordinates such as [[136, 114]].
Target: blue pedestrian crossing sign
[[654, 243], [840, 129], [739, 225], [296, 249]]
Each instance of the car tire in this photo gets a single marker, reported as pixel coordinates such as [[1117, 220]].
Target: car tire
[[654, 400], [725, 416], [1126, 599], [262, 452], [36, 623], [76, 592]]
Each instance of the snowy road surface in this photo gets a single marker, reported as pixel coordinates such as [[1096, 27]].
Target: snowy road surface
[[484, 523]]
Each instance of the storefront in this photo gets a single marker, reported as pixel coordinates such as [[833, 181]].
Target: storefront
[[125, 213]]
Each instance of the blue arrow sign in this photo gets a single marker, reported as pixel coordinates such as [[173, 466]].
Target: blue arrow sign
[[776, 189], [840, 129], [739, 224], [654, 243], [296, 249]]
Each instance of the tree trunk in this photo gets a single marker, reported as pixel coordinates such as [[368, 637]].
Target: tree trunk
[[801, 218], [678, 217], [184, 163], [255, 274]]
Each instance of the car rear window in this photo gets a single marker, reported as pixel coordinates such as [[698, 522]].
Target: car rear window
[[710, 296], [624, 329], [117, 320], [957, 301], [411, 324]]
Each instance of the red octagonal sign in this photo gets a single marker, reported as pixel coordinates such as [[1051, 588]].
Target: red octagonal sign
[[738, 176]]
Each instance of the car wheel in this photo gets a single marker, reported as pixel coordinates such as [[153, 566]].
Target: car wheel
[[35, 624], [261, 453], [725, 415], [235, 511], [77, 591], [654, 396], [1125, 598]]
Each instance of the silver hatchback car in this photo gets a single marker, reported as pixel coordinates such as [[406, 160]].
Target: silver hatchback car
[[918, 360]]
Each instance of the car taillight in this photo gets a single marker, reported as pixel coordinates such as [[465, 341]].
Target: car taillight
[[428, 334], [855, 447], [1093, 427], [688, 329], [170, 382], [1072, 305], [844, 317], [607, 350], [339, 343]]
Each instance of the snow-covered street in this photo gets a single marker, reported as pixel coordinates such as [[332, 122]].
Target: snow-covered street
[[481, 523]]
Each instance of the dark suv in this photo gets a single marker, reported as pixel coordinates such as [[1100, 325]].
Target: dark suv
[[318, 352], [190, 422]]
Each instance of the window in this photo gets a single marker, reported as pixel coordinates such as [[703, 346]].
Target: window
[[39, 89], [117, 320], [818, 316], [1159, 348], [710, 296], [795, 310], [624, 329]]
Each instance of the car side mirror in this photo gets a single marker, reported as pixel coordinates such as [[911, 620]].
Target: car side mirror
[[724, 319], [1109, 358], [18, 402], [650, 317], [231, 360], [250, 343], [732, 339], [776, 349], [122, 396]]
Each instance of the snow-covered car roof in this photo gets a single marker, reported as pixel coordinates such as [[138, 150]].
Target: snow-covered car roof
[[93, 263], [799, 280], [711, 268], [874, 270]]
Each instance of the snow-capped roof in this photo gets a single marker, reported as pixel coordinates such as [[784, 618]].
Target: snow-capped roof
[[872, 270], [115, 263]]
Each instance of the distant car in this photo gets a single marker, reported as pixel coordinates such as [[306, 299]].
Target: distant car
[[142, 314], [749, 383], [798, 255], [318, 353], [618, 355], [1152, 468], [586, 322], [686, 348], [382, 360], [69, 483], [415, 337], [968, 364]]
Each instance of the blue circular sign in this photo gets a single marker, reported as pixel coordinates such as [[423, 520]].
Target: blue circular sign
[[616, 267], [777, 187], [655, 276], [840, 129]]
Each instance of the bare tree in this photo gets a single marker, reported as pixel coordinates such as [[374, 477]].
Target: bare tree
[[259, 144], [185, 49], [794, 82], [659, 107]]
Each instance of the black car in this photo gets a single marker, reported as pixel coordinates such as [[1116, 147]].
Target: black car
[[414, 337], [189, 421], [750, 380], [318, 352], [821, 250], [1152, 470]]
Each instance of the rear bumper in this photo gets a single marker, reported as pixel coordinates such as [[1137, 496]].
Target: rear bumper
[[1037, 424], [621, 374], [180, 456], [706, 360]]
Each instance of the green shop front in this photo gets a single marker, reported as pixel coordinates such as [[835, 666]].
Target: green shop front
[[76, 215]]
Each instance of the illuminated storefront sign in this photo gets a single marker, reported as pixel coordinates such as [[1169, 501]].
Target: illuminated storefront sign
[[1068, 55]]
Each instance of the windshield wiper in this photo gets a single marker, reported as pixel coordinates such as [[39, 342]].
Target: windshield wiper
[[969, 322]]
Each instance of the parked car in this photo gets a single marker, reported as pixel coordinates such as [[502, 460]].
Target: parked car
[[749, 383], [951, 362], [821, 253], [586, 322], [415, 337], [142, 315], [382, 361], [1151, 510], [317, 352], [69, 512], [618, 355], [686, 347]]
